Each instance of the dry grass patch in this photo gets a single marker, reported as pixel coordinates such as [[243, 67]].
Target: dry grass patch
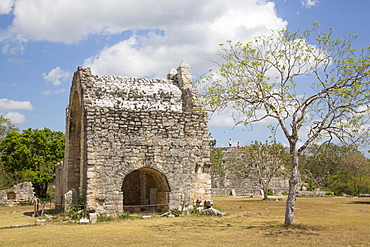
[[15, 216], [249, 222]]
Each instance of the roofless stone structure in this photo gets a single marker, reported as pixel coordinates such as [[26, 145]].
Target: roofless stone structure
[[134, 143]]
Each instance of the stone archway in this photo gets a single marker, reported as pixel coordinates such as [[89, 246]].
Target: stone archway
[[145, 189]]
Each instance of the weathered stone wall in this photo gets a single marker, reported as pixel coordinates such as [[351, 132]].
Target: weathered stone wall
[[242, 186], [119, 125], [20, 193]]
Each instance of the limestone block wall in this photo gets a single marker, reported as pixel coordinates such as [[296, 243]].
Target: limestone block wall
[[171, 143], [119, 126], [23, 192], [242, 186]]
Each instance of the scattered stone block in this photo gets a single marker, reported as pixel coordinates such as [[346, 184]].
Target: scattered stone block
[[208, 203], [84, 221], [232, 192], [93, 218], [212, 212], [40, 222]]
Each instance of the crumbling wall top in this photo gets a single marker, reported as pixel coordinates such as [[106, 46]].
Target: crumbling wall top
[[175, 93]]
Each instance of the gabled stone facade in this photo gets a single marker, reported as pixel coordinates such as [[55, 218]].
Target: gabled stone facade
[[135, 143]]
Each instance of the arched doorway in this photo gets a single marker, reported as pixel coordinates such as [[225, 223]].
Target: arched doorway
[[11, 195], [145, 189]]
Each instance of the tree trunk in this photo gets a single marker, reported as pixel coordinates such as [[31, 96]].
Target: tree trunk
[[40, 190], [293, 181], [264, 188], [265, 193]]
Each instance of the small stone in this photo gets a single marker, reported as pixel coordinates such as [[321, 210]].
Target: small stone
[[84, 221]]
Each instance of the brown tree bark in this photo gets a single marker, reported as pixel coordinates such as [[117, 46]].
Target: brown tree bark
[[293, 181]]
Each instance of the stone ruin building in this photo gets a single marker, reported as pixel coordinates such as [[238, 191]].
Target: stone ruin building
[[134, 143], [19, 193]]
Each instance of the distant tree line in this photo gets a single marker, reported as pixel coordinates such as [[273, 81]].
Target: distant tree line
[[337, 168]]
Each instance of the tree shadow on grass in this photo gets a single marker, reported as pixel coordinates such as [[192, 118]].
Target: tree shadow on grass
[[46, 211], [297, 229], [28, 213], [360, 202]]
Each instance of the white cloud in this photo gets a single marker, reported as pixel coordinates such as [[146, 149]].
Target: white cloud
[[13, 49], [58, 91], [70, 21], [309, 3], [180, 30], [191, 39], [222, 119], [9, 105], [15, 117], [6, 6], [56, 76], [226, 117]]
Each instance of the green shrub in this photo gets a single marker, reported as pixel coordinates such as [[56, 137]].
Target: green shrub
[[270, 192], [124, 215], [104, 218], [176, 212], [329, 193]]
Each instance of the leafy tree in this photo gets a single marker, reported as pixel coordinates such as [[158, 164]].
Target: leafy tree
[[319, 162], [259, 80], [340, 168], [353, 176], [261, 162], [32, 155], [6, 126], [218, 162]]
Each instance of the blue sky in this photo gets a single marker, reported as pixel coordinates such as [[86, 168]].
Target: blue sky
[[42, 43]]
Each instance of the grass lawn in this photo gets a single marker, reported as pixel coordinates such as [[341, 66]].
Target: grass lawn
[[320, 221]]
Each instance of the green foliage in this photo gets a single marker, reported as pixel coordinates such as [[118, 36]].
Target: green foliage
[[261, 162], [124, 215], [270, 191], [319, 162], [195, 211], [217, 162], [311, 184], [345, 182], [105, 218], [75, 213], [6, 126], [32, 155], [6, 179], [267, 79], [176, 212], [339, 168], [262, 76], [329, 193], [212, 142]]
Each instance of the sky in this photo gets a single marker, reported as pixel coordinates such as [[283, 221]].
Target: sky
[[42, 43]]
